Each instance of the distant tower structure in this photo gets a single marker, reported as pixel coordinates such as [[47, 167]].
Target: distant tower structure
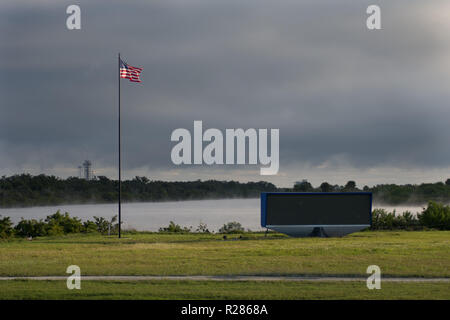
[[87, 170], [80, 172]]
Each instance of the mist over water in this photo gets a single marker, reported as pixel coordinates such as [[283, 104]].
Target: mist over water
[[150, 216], [414, 209]]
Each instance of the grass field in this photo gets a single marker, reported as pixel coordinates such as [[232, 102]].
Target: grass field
[[401, 254], [172, 290]]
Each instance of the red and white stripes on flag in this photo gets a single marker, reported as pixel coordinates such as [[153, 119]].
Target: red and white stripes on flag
[[129, 72]]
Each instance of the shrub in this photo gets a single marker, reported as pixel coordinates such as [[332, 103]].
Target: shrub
[[175, 228], [6, 229], [107, 227], [53, 229], [383, 220], [202, 228], [436, 215], [63, 223], [232, 227], [101, 224], [406, 221], [31, 228], [89, 226]]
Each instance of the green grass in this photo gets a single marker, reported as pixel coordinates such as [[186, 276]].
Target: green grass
[[401, 254], [422, 254], [21, 289]]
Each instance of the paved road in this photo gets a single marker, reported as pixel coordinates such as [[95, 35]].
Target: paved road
[[229, 278]]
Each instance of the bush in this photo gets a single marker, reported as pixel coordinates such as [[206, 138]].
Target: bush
[[31, 228], [383, 220], [6, 229], [107, 227], [53, 229], [436, 215], [232, 227], [89, 226], [202, 228], [175, 228], [62, 223], [407, 220]]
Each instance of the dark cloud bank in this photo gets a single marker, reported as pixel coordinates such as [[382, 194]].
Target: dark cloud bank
[[348, 102]]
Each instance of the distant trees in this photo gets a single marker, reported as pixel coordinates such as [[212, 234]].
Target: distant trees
[[387, 193], [27, 190], [326, 187], [350, 186], [395, 194], [303, 186]]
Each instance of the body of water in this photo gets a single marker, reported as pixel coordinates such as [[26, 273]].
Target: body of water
[[151, 216]]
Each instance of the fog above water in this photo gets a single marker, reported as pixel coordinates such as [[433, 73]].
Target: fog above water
[[150, 216]]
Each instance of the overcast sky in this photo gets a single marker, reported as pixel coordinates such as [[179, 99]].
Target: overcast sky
[[350, 103]]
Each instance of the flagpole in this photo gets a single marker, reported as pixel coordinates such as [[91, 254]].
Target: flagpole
[[120, 164]]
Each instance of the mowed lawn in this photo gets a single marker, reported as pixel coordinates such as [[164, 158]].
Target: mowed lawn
[[207, 290], [418, 254]]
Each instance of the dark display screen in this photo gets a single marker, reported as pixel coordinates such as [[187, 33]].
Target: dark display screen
[[318, 209]]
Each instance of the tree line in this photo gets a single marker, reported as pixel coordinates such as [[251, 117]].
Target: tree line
[[27, 190], [388, 193]]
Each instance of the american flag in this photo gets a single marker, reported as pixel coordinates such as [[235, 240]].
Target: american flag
[[129, 72]]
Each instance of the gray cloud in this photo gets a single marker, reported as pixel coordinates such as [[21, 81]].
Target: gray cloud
[[344, 98]]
